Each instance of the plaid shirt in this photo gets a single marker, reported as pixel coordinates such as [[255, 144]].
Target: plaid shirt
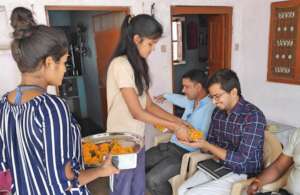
[[241, 134]]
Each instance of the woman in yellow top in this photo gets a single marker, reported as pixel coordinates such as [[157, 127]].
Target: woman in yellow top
[[129, 103]]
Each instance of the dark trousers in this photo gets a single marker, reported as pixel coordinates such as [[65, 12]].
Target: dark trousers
[[281, 192], [131, 181], [162, 163]]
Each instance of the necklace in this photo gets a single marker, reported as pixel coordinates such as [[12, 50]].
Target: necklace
[[31, 87]]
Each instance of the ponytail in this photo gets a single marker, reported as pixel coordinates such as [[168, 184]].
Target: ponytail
[[144, 26], [33, 43]]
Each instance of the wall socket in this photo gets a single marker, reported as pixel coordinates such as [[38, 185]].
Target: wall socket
[[236, 46]]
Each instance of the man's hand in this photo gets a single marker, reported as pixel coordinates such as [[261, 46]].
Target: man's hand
[[201, 143], [159, 99], [254, 187], [182, 133]]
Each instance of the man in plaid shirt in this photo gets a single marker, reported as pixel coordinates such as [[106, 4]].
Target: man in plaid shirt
[[235, 137]]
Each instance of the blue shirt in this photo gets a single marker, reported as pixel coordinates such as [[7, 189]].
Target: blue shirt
[[241, 134], [199, 117], [37, 139]]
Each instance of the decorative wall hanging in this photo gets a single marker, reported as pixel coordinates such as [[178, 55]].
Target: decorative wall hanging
[[284, 51]]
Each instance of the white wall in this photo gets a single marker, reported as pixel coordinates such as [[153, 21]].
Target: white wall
[[279, 102], [9, 74]]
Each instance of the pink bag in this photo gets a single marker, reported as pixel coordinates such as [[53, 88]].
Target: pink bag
[[5, 182]]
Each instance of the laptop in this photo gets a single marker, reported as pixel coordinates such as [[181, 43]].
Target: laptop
[[214, 168]]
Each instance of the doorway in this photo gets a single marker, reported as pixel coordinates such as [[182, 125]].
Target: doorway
[[201, 39], [84, 86]]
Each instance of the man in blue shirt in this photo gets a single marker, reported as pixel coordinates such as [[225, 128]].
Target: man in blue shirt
[[235, 137], [164, 161]]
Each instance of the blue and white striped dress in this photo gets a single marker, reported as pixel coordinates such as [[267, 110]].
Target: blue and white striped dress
[[37, 139]]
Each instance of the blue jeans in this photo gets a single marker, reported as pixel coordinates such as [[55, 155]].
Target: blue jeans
[[131, 181]]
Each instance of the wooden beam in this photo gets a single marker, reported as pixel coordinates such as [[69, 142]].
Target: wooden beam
[[179, 10], [87, 8]]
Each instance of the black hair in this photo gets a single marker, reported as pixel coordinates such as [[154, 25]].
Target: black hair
[[33, 43], [197, 76], [228, 80], [146, 27]]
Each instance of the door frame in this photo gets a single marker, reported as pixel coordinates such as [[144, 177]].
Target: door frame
[[85, 8], [216, 10], [125, 9], [48, 8]]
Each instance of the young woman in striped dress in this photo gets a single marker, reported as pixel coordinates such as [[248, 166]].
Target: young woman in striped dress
[[39, 140]]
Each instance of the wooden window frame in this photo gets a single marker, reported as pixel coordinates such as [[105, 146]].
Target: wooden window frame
[[179, 41]]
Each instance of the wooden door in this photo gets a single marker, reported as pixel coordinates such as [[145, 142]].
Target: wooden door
[[216, 43], [107, 29]]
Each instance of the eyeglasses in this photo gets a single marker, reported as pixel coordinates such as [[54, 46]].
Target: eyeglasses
[[217, 97]]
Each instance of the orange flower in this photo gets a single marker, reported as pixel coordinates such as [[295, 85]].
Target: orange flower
[[159, 127], [91, 153], [195, 134], [94, 153]]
